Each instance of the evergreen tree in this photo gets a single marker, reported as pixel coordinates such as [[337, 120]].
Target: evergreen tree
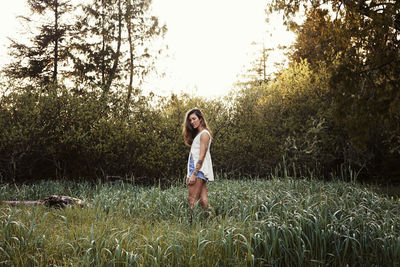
[[39, 61], [112, 41], [316, 39], [141, 29]]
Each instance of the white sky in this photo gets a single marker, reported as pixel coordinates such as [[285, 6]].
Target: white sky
[[8, 23], [209, 42]]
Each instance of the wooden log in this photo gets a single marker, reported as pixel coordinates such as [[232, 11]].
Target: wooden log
[[54, 201], [63, 201], [29, 203]]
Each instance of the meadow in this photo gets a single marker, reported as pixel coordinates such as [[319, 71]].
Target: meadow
[[274, 222]]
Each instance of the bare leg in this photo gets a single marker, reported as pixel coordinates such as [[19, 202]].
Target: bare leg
[[194, 194], [204, 196]]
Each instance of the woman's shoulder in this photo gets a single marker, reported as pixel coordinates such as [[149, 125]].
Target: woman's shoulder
[[205, 131], [205, 134], [202, 134]]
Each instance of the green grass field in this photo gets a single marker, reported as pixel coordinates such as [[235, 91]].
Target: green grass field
[[277, 222]]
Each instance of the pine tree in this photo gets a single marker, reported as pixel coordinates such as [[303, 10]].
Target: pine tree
[[112, 44], [38, 62]]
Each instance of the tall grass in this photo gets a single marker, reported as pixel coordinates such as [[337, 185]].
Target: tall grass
[[277, 222]]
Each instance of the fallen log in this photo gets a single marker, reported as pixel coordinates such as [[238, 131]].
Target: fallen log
[[28, 203], [54, 201]]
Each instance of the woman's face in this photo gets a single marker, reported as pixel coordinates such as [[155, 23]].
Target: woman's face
[[194, 121]]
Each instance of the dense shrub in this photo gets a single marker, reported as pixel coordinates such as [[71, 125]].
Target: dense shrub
[[49, 135], [68, 135], [286, 124], [291, 124]]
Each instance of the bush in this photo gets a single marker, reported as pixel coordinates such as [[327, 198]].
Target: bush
[[286, 124], [68, 135]]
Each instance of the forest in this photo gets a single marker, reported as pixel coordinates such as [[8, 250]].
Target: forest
[[72, 105]]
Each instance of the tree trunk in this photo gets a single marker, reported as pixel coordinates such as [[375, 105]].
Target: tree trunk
[[117, 52], [129, 27], [55, 43], [103, 47]]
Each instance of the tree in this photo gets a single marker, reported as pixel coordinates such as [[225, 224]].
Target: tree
[[258, 71], [360, 44], [316, 38], [40, 60], [141, 29], [95, 50], [108, 30]]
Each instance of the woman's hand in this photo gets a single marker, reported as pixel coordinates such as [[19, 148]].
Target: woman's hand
[[191, 180]]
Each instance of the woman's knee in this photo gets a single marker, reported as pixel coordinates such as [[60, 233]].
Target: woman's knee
[[191, 199], [204, 202], [195, 191]]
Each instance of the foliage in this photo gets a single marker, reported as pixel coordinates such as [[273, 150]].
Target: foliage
[[84, 135], [318, 38], [38, 62], [113, 40], [275, 222], [359, 43], [335, 106], [59, 135], [289, 119], [71, 135], [102, 45]]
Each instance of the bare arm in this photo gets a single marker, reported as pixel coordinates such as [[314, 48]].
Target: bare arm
[[204, 142]]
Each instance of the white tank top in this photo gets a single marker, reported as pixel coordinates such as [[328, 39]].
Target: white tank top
[[206, 168]]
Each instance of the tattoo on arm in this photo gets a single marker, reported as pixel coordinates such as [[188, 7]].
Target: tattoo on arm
[[198, 167]]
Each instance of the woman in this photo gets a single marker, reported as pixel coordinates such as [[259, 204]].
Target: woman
[[198, 137]]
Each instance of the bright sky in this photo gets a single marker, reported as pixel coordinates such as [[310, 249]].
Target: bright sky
[[8, 23], [209, 42]]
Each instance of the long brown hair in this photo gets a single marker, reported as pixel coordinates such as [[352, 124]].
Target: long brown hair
[[188, 132]]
